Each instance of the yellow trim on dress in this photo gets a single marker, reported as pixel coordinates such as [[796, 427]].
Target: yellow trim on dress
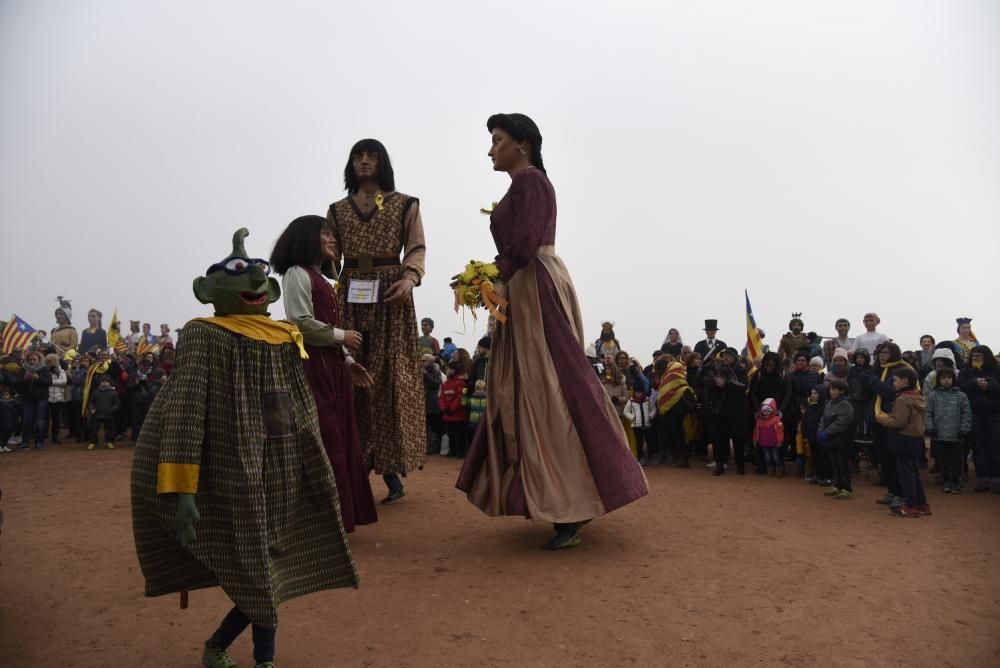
[[177, 478]]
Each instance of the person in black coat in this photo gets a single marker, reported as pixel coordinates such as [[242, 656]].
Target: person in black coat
[[798, 383], [980, 380], [725, 416], [836, 435], [34, 390], [710, 346]]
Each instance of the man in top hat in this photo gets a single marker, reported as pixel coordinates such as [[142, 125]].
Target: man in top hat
[[710, 345]]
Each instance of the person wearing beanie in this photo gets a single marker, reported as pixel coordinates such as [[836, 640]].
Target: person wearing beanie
[[816, 363], [480, 363], [836, 437], [839, 367], [949, 421]]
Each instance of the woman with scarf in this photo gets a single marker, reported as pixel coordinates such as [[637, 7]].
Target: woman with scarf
[[550, 445], [304, 255], [674, 398], [34, 388], [889, 361], [980, 381]]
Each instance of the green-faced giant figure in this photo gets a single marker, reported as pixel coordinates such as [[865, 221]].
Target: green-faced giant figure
[[230, 483]]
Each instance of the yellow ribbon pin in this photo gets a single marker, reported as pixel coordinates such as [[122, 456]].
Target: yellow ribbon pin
[[379, 201]]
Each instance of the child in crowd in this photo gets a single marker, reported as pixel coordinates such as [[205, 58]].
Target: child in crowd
[[640, 410], [768, 435], [449, 349], [949, 421], [942, 358], [906, 426], [836, 438], [103, 406], [819, 469], [477, 408], [453, 413], [8, 417]]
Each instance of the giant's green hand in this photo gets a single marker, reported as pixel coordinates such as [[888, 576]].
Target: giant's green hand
[[187, 517]]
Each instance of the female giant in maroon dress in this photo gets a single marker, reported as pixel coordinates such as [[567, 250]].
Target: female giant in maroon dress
[[551, 446]]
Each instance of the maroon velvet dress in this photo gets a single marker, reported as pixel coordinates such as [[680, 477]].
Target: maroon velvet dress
[[330, 381], [550, 445]]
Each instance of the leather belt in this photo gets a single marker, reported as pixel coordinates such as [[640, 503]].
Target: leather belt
[[367, 262]]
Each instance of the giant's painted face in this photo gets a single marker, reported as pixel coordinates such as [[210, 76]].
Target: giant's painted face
[[238, 285]]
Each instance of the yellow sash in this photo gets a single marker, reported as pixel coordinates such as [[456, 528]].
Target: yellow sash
[[261, 328]]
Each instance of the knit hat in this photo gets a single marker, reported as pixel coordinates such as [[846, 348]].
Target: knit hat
[[818, 361], [485, 342], [840, 352], [51, 358]]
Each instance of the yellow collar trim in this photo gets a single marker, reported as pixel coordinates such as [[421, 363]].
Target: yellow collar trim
[[261, 328]]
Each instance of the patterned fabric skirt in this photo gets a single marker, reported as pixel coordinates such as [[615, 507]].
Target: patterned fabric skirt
[[390, 415]]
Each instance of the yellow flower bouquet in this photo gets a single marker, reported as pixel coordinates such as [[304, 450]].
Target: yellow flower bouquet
[[474, 289]]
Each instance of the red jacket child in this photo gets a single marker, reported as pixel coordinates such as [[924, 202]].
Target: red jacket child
[[451, 397]]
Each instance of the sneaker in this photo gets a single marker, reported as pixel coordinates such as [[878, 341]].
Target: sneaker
[[4, 448], [393, 497], [91, 446], [897, 502], [215, 657], [904, 511], [563, 540], [956, 490], [947, 489], [39, 446], [266, 664], [833, 491], [826, 482], [844, 495], [885, 500], [110, 445], [924, 509]]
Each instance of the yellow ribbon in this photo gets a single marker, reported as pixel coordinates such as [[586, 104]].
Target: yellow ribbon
[[379, 201], [494, 303]]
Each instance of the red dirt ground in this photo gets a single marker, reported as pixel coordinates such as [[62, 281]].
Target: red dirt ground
[[731, 571]]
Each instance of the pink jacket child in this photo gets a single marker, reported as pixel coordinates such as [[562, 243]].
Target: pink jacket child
[[769, 434]]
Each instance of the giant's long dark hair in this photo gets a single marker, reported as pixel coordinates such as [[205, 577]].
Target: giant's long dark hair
[[386, 178], [520, 127], [299, 245]]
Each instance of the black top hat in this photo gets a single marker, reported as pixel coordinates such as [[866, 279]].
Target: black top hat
[[711, 324]]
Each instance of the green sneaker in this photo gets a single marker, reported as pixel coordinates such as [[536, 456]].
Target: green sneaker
[[562, 541], [844, 495], [91, 446], [833, 491], [266, 664], [216, 657]]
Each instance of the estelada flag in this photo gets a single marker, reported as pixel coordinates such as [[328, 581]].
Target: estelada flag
[[755, 347], [17, 334], [673, 387]]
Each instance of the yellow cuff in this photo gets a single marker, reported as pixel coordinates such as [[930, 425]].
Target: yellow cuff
[[177, 478]]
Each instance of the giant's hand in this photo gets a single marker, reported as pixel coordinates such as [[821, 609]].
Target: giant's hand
[[360, 376], [187, 517], [399, 291]]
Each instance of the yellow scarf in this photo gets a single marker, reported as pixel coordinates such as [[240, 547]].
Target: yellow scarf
[[885, 372], [261, 328]]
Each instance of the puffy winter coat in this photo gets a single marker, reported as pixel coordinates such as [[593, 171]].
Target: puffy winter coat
[[838, 423], [641, 413], [57, 390], [949, 414]]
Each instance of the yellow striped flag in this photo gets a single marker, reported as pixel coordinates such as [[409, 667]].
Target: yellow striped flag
[[755, 347], [17, 334]]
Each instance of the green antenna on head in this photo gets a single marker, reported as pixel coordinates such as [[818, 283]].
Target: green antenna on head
[[238, 248]]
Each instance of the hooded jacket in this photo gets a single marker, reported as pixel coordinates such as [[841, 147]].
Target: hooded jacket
[[768, 385], [949, 414], [908, 415], [813, 418], [948, 357], [769, 432]]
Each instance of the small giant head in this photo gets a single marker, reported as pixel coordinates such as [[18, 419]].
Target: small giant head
[[238, 284]]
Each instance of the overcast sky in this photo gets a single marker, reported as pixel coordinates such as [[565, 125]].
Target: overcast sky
[[831, 157]]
